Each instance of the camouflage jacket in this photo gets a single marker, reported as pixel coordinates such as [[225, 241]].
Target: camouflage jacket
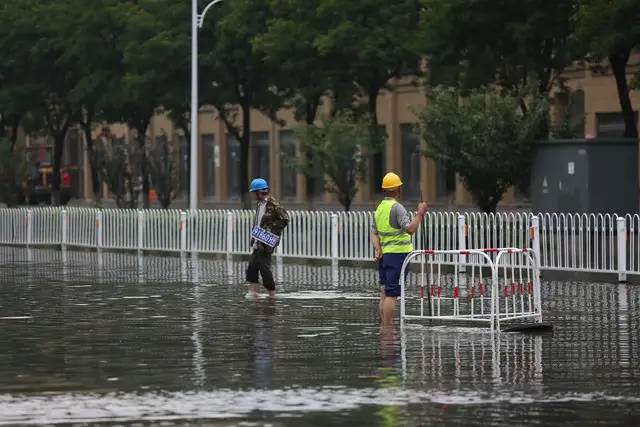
[[275, 220]]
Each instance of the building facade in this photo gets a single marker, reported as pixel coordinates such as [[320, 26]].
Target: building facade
[[591, 103]]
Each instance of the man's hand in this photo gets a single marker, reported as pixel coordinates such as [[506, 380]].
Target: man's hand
[[377, 254], [422, 208]]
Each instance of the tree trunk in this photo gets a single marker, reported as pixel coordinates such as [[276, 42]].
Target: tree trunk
[[58, 148], [243, 171], [311, 109], [619, 60], [183, 123], [95, 176], [142, 138], [15, 126]]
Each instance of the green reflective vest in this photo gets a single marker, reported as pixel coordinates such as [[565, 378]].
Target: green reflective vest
[[392, 240]]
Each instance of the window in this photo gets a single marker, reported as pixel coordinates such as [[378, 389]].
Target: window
[[260, 155], [410, 162], [233, 166], [288, 171], [208, 166], [611, 125]]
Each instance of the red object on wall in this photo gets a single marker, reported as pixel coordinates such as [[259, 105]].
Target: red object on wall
[[66, 179]]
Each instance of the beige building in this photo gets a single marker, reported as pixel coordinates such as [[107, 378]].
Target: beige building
[[593, 106]]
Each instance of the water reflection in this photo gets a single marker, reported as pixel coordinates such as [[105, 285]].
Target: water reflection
[[173, 338]]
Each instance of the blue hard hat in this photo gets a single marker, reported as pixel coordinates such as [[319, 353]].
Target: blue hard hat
[[258, 184]]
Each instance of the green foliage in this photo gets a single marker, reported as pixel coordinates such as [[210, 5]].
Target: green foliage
[[604, 26], [339, 143], [471, 43], [13, 172], [288, 45], [483, 138], [373, 40], [164, 169]]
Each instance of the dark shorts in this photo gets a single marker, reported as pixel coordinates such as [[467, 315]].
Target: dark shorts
[[391, 266], [260, 262]]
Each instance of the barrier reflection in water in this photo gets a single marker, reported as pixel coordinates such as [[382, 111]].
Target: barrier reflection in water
[[431, 356]]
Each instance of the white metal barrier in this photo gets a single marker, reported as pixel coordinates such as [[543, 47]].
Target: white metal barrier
[[479, 290], [565, 242]]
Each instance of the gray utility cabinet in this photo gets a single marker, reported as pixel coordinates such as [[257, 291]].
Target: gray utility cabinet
[[585, 176]]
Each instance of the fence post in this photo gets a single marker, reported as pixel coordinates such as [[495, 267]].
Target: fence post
[[140, 231], [183, 232], [99, 231], [622, 249], [65, 228], [462, 241], [535, 240], [229, 247], [29, 227], [334, 248], [279, 266]]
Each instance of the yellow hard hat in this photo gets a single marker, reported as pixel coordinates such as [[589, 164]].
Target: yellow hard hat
[[391, 180]]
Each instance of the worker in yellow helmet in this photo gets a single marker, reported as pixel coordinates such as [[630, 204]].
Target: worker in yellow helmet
[[391, 238]]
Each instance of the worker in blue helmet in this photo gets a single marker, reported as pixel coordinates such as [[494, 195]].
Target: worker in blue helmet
[[269, 222]]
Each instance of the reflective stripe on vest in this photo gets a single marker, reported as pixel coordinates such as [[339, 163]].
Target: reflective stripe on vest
[[393, 240]]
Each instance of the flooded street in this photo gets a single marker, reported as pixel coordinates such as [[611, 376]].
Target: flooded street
[[126, 343]]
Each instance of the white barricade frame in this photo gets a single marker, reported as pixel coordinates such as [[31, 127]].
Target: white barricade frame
[[514, 271]]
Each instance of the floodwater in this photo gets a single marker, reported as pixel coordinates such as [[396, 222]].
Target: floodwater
[[172, 343]]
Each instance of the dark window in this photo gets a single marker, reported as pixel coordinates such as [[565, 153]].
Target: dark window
[[611, 125], [260, 155], [576, 113], [233, 166], [410, 162], [208, 169], [288, 171]]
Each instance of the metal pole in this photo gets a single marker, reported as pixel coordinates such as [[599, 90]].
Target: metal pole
[[622, 249], [193, 170], [334, 249]]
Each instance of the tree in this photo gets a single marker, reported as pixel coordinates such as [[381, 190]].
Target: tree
[[18, 93], [237, 78], [373, 40], [13, 171], [36, 82], [116, 161], [483, 138], [91, 36], [164, 168], [611, 29], [289, 43], [471, 43], [338, 143], [148, 71], [54, 80]]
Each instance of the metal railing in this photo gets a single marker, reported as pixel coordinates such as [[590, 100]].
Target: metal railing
[[562, 242]]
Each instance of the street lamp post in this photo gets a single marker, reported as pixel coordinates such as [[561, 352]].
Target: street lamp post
[[196, 22]]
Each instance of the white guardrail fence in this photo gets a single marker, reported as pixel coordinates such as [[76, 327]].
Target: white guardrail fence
[[562, 242]]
